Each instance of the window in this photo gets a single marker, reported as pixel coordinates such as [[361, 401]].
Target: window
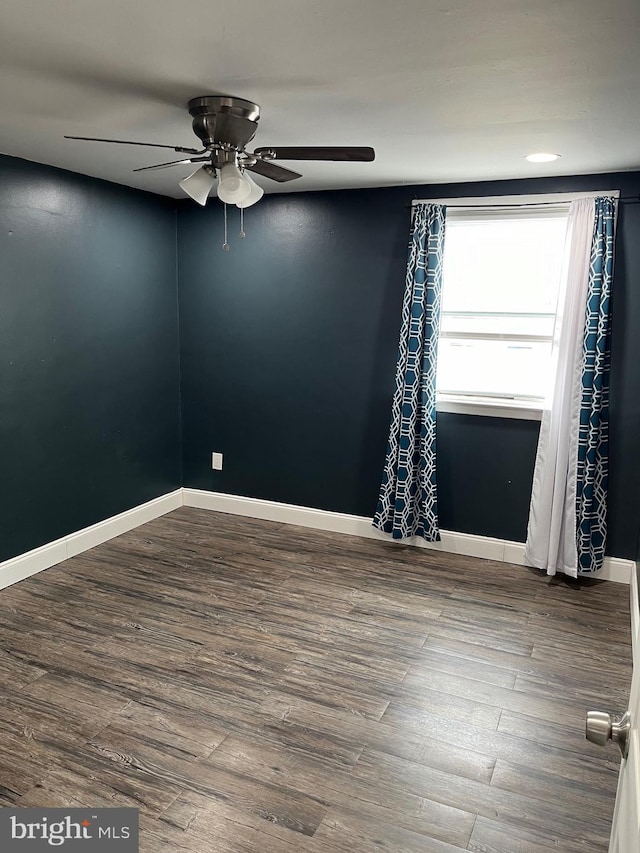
[[501, 276]]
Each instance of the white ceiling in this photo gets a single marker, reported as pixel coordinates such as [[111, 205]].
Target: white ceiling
[[445, 90]]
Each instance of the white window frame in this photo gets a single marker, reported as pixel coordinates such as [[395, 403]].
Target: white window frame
[[488, 406]]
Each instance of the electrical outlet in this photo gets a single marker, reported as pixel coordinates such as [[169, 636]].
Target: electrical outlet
[[216, 461]]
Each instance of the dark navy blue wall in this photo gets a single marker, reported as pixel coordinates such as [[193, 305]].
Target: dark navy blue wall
[[288, 347], [89, 373], [288, 357]]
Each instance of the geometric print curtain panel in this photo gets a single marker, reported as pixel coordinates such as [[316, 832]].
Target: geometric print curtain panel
[[593, 432], [407, 503]]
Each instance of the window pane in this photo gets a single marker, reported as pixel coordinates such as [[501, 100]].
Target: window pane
[[503, 265], [498, 368]]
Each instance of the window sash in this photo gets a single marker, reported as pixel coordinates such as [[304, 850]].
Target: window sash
[[496, 336], [505, 325], [487, 396]]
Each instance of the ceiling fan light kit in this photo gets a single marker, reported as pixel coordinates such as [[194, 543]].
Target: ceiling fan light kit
[[225, 126]]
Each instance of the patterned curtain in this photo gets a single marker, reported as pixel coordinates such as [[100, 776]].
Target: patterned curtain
[[568, 514], [593, 433], [407, 504]]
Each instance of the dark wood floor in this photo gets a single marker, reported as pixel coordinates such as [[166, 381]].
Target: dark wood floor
[[256, 687]]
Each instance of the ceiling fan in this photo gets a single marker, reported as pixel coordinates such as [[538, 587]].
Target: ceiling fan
[[226, 125]]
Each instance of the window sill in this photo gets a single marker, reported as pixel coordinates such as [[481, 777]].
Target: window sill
[[490, 408]]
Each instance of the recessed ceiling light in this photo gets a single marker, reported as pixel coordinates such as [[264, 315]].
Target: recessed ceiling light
[[542, 157]]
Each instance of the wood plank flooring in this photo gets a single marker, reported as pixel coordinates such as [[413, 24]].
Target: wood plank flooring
[[251, 686]]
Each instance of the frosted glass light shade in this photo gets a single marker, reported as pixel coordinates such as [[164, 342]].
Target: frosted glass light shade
[[198, 185], [233, 187], [255, 193]]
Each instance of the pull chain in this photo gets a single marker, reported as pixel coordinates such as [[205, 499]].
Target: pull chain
[[242, 234], [225, 245]]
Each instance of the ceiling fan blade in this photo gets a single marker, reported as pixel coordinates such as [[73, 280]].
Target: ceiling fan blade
[[349, 154], [173, 163], [271, 170], [146, 144]]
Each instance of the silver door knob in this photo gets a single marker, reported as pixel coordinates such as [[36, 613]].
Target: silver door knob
[[602, 727]]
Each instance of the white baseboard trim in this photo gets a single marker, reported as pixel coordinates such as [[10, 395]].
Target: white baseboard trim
[[32, 562], [615, 569]]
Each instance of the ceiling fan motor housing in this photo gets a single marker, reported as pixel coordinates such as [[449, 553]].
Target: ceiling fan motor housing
[[224, 120]]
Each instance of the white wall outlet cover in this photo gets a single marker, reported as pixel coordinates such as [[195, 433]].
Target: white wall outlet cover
[[216, 461]]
